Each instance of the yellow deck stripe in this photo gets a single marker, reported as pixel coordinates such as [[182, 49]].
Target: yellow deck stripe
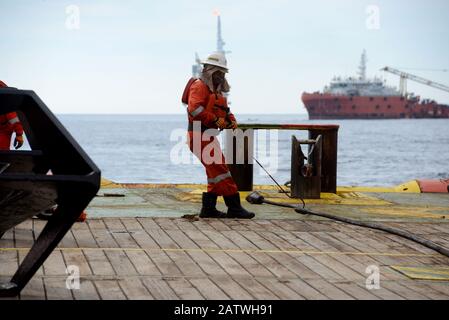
[[355, 253], [424, 273], [409, 187]]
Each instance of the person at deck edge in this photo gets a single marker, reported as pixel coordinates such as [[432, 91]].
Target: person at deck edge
[[208, 105], [10, 123]]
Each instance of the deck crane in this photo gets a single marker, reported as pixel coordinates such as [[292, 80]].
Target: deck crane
[[403, 76]]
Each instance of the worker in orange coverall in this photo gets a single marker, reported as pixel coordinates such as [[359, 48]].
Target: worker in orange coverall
[[208, 109], [10, 123]]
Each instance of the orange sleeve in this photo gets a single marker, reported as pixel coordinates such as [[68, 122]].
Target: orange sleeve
[[230, 114], [14, 121], [198, 98]]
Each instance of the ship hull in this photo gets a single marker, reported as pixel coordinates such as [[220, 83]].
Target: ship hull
[[331, 106]]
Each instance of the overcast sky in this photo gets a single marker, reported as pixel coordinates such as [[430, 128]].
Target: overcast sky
[[135, 56]]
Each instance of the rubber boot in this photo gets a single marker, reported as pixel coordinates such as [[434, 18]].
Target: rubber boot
[[235, 209], [209, 210]]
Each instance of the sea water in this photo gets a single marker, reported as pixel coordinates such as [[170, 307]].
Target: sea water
[[138, 148]]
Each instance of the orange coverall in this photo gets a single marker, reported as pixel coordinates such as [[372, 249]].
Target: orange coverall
[[206, 106], [9, 123]]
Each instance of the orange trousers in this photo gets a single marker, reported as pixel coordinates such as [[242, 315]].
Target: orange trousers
[[219, 179]]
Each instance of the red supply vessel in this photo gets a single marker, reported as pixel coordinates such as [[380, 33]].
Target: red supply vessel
[[363, 98]]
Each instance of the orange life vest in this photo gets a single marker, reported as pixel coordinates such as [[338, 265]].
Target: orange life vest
[[204, 105]]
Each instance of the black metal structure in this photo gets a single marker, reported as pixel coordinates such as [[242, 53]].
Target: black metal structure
[[306, 175], [55, 171]]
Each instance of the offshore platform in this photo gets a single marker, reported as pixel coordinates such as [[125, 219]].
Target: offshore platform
[[198, 67]]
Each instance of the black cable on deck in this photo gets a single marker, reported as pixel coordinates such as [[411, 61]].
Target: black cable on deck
[[258, 199]]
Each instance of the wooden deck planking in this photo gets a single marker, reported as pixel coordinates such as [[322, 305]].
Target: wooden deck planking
[[87, 291], [110, 290], [134, 289], [281, 290], [159, 288], [245, 260], [440, 286], [166, 258], [55, 289], [202, 225], [266, 225], [304, 289], [166, 223], [357, 262], [232, 267], [329, 290], [232, 288], [120, 262], [101, 234], [181, 239], [385, 294], [209, 266], [251, 265], [162, 239], [55, 264], [399, 248], [371, 250], [164, 263], [220, 239], [185, 225], [403, 291], [23, 234], [218, 225], [303, 266], [184, 289], [77, 258], [307, 260], [257, 290], [422, 288], [34, 290], [118, 231], [143, 263], [357, 291], [208, 289], [7, 241], [22, 254], [140, 235], [238, 225], [200, 239], [381, 261], [267, 261], [68, 241], [185, 263], [9, 263], [342, 264], [99, 262], [83, 236], [251, 261]]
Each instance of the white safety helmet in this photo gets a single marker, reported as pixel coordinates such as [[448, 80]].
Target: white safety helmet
[[216, 59]]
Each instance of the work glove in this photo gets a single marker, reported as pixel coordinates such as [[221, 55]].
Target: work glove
[[232, 125], [221, 123], [18, 142]]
